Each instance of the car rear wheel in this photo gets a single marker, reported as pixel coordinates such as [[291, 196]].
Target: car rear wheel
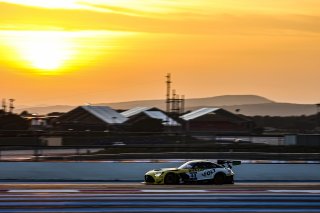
[[229, 180], [170, 179], [219, 179]]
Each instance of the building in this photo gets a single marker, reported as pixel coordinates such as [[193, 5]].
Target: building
[[95, 118], [216, 120], [135, 111], [40, 122], [10, 121], [149, 119], [37, 122]]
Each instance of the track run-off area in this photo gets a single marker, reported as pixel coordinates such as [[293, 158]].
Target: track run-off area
[[138, 197]]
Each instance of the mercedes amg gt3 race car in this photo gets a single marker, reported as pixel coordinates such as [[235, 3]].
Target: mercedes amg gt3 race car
[[196, 171]]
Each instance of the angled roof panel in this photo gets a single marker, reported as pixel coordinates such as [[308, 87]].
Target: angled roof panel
[[167, 121], [106, 114], [198, 113], [134, 111]]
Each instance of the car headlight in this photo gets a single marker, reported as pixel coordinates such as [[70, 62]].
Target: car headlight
[[157, 174]]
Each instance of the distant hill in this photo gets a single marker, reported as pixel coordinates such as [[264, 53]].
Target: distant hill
[[226, 100], [248, 105], [42, 110]]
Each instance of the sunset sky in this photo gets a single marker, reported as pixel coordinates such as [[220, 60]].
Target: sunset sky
[[99, 51]]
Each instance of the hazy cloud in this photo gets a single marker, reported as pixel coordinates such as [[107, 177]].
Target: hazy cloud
[[18, 17]]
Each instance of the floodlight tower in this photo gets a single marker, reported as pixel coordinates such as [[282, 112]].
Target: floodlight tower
[[168, 82], [182, 104], [174, 103], [4, 105], [11, 107]]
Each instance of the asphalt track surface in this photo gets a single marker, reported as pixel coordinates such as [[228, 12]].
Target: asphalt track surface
[[138, 197]]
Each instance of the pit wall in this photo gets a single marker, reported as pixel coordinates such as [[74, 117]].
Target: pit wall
[[133, 171]]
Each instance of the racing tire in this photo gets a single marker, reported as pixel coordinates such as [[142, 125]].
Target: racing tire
[[170, 178], [229, 180], [219, 179]]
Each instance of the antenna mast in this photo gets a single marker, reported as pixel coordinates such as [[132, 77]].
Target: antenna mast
[[168, 82]]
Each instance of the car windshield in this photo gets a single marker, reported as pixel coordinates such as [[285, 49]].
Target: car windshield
[[187, 165]]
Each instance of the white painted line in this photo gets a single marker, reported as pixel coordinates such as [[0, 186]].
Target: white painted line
[[43, 191], [171, 191], [295, 191]]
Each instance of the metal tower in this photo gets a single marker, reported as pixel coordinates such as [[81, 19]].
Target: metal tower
[[168, 82], [4, 105], [11, 107], [174, 105]]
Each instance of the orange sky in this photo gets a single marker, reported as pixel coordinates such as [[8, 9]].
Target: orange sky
[[79, 51]]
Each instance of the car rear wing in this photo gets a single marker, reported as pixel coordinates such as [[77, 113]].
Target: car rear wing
[[233, 162]]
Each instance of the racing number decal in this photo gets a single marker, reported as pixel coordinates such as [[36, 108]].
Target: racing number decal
[[193, 175], [201, 175]]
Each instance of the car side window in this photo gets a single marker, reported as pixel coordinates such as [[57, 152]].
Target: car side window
[[201, 165], [209, 165], [196, 166]]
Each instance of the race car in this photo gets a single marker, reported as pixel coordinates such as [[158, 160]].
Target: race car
[[196, 171]]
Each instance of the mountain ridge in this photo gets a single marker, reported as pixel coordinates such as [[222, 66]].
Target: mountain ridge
[[247, 104]]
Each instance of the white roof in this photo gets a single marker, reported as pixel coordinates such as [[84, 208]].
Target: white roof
[[198, 113], [106, 114], [167, 121], [134, 111]]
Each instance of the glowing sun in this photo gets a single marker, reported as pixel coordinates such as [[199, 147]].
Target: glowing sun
[[58, 52], [46, 51]]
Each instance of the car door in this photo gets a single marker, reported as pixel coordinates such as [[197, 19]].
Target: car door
[[201, 171], [206, 171]]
